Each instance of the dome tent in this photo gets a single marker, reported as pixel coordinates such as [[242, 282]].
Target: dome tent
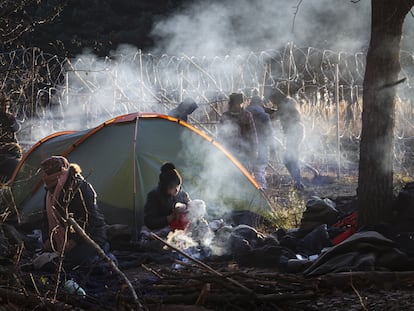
[[122, 158]]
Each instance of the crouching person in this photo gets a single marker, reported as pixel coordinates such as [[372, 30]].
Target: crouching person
[[166, 205], [68, 193]]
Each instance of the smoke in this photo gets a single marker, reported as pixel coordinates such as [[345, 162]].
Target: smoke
[[95, 90], [211, 41], [239, 26]]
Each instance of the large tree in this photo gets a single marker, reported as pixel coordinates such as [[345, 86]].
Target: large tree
[[375, 184]]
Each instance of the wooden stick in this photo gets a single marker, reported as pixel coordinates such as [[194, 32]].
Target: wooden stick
[[61, 257], [203, 295], [70, 221], [108, 260], [149, 269], [220, 297], [202, 264]]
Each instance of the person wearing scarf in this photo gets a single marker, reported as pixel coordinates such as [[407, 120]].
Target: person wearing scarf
[[67, 192]]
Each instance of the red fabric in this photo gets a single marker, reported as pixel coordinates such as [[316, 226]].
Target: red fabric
[[350, 220], [180, 223], [57, 233], [343, 236], [350, 223]]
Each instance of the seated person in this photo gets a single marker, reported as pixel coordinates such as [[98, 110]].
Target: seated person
[[166, 204], [68, 192]]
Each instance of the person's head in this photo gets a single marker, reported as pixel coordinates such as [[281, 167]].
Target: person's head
[[277, 96], [54, 164], [235, 102], [54, 167], [256, 100], [169, 180]]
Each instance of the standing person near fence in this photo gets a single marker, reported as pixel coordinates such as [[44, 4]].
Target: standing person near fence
[[264, 131], [294, 131], [8, 123], [237, 131]]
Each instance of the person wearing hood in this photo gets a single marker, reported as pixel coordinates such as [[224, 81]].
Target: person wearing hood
[[67, 192], [294, 131], [264, 131], [237, 131], [184, 109], [166, 204]]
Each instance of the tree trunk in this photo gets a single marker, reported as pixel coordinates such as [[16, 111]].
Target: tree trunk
[[375, 184]]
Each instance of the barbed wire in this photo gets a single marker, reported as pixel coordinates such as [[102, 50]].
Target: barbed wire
[[45, 87]]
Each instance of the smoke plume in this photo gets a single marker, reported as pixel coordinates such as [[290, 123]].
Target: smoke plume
[[201, 46]]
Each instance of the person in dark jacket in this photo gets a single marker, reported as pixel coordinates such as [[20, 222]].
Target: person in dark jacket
[[10, 156], [238, 132], [166, 204], [294, 131], [8, 123], [67, 192], [184, 109], [264, 131]]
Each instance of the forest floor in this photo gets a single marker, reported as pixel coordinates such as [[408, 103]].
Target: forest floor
[[372, 290], [230, 287]]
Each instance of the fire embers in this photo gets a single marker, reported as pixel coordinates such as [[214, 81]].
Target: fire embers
[[196, 238]]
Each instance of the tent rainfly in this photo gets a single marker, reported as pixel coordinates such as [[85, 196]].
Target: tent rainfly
[[122, 158]]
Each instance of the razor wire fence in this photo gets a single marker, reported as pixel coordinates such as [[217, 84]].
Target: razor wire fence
[[51, 93]]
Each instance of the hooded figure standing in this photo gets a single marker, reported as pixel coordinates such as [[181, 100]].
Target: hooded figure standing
[[184, 109], [289, 116], [166, 204], [67, 192], [264, 131], [238, 132]]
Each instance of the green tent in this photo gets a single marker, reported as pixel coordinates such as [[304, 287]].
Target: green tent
[[122, 158]]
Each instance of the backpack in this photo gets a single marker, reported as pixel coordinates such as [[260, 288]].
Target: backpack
[[348, 224]]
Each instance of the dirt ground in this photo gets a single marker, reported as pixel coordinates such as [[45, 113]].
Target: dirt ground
[[294, 291], [372, 293], [163, 287]]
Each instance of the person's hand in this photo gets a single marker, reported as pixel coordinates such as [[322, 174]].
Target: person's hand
[[180, 208]]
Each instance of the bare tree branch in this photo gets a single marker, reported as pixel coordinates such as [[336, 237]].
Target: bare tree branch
[[18, 17]]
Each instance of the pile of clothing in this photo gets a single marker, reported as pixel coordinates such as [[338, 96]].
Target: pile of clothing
[[329, 240]]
